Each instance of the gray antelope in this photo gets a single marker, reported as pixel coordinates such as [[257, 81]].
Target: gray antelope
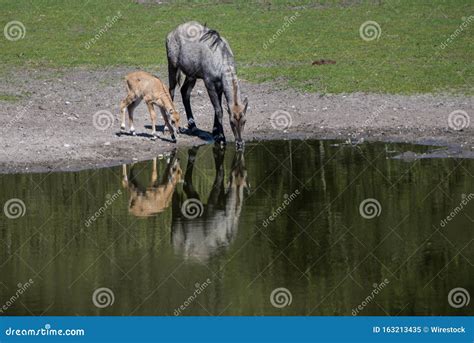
[[216, 227], [201, 53], [144, 86]]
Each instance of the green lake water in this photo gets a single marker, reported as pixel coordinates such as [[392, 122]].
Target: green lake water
[[286, 228]]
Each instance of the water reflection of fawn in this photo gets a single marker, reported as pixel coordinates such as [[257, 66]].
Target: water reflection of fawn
[[148, 201], [217, 225]]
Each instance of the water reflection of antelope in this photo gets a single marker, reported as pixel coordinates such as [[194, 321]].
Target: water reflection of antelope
[[216, 226], [156, 197]]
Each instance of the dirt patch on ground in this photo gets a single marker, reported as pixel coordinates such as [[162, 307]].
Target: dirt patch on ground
[[53, 128]]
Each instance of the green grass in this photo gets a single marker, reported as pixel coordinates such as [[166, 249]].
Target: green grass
[[405, 59], [9, 97]]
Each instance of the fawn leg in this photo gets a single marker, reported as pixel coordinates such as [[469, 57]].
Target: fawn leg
[[123, 106], [154, 174], [124, 176], [131, 108], [151, 109], [167, 119]]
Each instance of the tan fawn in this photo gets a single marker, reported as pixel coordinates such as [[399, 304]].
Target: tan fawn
[[144, 86], [155, 198]]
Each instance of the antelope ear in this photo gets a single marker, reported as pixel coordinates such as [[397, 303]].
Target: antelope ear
[[246, 103]]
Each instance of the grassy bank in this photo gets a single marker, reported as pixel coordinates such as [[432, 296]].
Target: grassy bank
[[406, 58]]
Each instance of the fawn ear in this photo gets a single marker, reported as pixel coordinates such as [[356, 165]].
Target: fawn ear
[[246, 103]]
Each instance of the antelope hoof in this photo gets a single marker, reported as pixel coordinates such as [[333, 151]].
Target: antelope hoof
[[122, 129], [192, 125], [220, 139], [153, 137], [133, 133]]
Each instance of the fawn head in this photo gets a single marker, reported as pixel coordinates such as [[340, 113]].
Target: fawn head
[[174, 117]]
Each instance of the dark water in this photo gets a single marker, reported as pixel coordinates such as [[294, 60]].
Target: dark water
[[283, 215]]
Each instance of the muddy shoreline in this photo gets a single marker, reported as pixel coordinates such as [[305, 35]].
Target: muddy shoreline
[[67, 120]]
